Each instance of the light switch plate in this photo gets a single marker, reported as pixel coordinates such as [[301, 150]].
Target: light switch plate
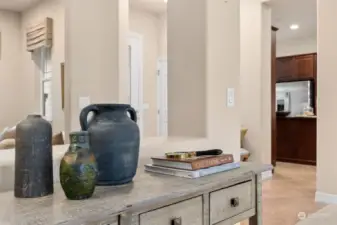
[[84, 102], [230, 97]]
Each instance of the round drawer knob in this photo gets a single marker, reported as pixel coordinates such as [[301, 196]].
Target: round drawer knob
[[176, 221], [235, 202]]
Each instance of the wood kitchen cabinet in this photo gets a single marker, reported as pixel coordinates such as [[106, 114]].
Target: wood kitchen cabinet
[[296, 140], [305, 66], [298, 67], [285, 68]]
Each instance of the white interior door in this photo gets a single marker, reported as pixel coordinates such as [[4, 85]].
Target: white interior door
[[162, 123], [136, 76]]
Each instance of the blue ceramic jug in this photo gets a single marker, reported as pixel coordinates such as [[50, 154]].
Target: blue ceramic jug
[[114, 139]]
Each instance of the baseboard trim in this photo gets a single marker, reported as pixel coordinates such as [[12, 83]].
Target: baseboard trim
[[325, 198], [267, 175]]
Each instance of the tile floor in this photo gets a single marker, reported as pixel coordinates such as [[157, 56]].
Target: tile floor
[[290, 191]]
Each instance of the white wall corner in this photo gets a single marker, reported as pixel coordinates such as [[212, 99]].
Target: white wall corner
[[267, 175], [325, 198]]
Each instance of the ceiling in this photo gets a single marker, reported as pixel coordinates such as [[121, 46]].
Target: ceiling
[[155, 6], [284, 13], [301, 12], [17, 5]]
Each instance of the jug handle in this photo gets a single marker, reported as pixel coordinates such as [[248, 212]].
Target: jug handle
[[133, 114], [84, 116]]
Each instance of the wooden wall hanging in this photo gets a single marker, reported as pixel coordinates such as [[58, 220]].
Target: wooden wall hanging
[[62, 84], [40, 35]]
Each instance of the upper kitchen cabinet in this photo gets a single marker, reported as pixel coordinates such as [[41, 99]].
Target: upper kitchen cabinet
[[305, 66], [285, 68], [298, 67]]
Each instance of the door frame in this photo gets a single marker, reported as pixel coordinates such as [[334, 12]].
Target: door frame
[[136, 40], [273, 98], [160, 95]]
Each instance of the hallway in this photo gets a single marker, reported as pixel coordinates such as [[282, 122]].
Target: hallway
[[292, 190]]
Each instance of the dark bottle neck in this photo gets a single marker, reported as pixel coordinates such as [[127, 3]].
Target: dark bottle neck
[[80, 139]]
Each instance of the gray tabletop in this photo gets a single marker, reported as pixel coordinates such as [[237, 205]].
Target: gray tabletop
[[109, 201]]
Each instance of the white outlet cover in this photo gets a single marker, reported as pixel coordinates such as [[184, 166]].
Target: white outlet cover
[[230, 97]]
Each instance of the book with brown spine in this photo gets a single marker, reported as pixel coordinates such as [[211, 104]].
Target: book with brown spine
[[194, 163]]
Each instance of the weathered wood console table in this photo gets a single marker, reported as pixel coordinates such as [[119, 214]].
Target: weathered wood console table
[[220, 199]]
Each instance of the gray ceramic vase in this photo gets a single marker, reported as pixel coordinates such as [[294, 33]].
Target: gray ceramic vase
[[33, 158], [114, 139]]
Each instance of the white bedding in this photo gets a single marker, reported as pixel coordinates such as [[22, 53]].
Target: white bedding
[[7, 158]]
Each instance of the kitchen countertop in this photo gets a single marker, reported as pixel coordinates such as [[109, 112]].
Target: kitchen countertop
[[298, 117]]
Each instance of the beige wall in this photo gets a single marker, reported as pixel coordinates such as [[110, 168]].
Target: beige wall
[[96, 54], [149, 27], [186, 54], [11, 96], [146, 24], [255, 78], [327, 109], [204, 60], [296, 46], [163, 36], [266, 84], [223, 72], [55, 10]]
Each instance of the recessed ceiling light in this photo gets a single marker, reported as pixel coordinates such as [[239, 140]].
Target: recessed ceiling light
[[165, 0], [294, 26]]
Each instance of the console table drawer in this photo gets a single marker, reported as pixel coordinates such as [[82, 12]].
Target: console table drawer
[[185, 213], [228, 202]]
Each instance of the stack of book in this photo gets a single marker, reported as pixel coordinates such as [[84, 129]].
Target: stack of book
[[193, 167]]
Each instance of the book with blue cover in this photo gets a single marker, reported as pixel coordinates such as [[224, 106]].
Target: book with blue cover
[[192, 173]]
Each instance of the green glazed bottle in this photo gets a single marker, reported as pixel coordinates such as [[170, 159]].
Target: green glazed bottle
[[78, 169]]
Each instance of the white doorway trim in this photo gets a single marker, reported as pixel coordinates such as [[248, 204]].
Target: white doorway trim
[[162, 126], [135, 47]]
